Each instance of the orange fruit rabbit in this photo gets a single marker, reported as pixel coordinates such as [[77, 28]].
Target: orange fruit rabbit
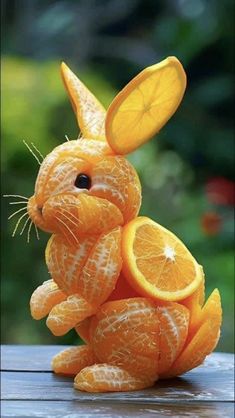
[[130, 288]]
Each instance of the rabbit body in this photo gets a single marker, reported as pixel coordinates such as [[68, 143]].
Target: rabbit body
[[86, 195]]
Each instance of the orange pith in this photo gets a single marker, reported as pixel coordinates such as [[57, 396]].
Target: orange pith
[[156, 263]]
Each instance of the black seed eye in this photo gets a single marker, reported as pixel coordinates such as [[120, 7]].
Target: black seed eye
[[83, 181]]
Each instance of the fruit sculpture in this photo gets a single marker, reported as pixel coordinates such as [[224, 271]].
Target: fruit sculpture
[[129, 287]]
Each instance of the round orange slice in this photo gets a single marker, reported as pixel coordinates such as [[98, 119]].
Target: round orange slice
[[156, 263], [145, 104]]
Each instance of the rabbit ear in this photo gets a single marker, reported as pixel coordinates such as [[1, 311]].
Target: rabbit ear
[[89, 111], [143, 107]]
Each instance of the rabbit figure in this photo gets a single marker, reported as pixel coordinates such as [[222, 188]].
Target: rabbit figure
[[129, 287]]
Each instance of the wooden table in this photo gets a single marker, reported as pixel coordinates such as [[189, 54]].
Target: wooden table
[[30, 389]]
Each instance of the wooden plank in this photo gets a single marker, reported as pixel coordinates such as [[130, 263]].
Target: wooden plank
[[73, 409], [28, 357], [195, 386], [38, 358]]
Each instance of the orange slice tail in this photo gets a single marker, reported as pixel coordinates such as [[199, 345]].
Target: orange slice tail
[[156, 263]]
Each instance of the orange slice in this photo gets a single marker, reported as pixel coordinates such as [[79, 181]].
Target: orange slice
[[156, 263], [145, 104], [89, 111]]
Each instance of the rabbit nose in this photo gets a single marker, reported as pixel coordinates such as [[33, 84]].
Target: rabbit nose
[[39, 208]]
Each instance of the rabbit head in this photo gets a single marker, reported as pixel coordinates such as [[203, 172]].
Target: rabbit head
[[87, 186]]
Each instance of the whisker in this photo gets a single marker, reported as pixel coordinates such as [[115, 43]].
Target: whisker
[[36, 149], [17, 203], [22, 230], [15, 213], [69, 218], [29, 229], [66, 226], [71, 214], [17, 224], [15, 195], [36, 230], [31, 151], [67, 138]]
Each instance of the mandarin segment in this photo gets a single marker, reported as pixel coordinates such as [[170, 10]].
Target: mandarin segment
[[138, 335], [109, 378], [156, 263], [124, 333], [194, 304], [103, 266], [115, 179], [65, 262], [83, 329], [205, 339], [65, 315], [173, 331], [89, 111], [44, 298], [72, 360]]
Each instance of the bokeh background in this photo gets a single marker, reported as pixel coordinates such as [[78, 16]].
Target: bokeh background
[[186, 172]]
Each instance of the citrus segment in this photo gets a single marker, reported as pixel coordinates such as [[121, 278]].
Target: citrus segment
[[44, 298], [89, 111], [204, 341], [144, 105], [173, 330], [108, 378], [156, 263], [73, 359], [194, 304], [67, 314]]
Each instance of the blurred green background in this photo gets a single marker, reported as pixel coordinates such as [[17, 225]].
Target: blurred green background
[[186, 172]]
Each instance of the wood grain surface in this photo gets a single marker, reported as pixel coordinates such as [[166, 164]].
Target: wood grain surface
[[30, 389]]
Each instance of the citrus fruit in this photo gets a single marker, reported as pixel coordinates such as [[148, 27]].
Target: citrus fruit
[[73, 359], [144, 105], [205, 339], [89, 111], [156, 263], [44, 298]]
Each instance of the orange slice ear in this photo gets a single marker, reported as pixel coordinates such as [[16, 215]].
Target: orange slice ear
[[143, 107], [89, 111]]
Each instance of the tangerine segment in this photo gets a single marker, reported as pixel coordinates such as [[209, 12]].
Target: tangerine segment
[[173, 331], [65, 262], [204, 341], [108, 378], [44, 298], [194, 304], [156, 263], [125, 333], [73, 359], [145, 104], [89, 111], [100, 273], [83, 329], [139, 336], [67, 314]]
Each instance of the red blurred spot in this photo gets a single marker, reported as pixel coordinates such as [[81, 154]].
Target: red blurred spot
[[211, 223], [221, 191]]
